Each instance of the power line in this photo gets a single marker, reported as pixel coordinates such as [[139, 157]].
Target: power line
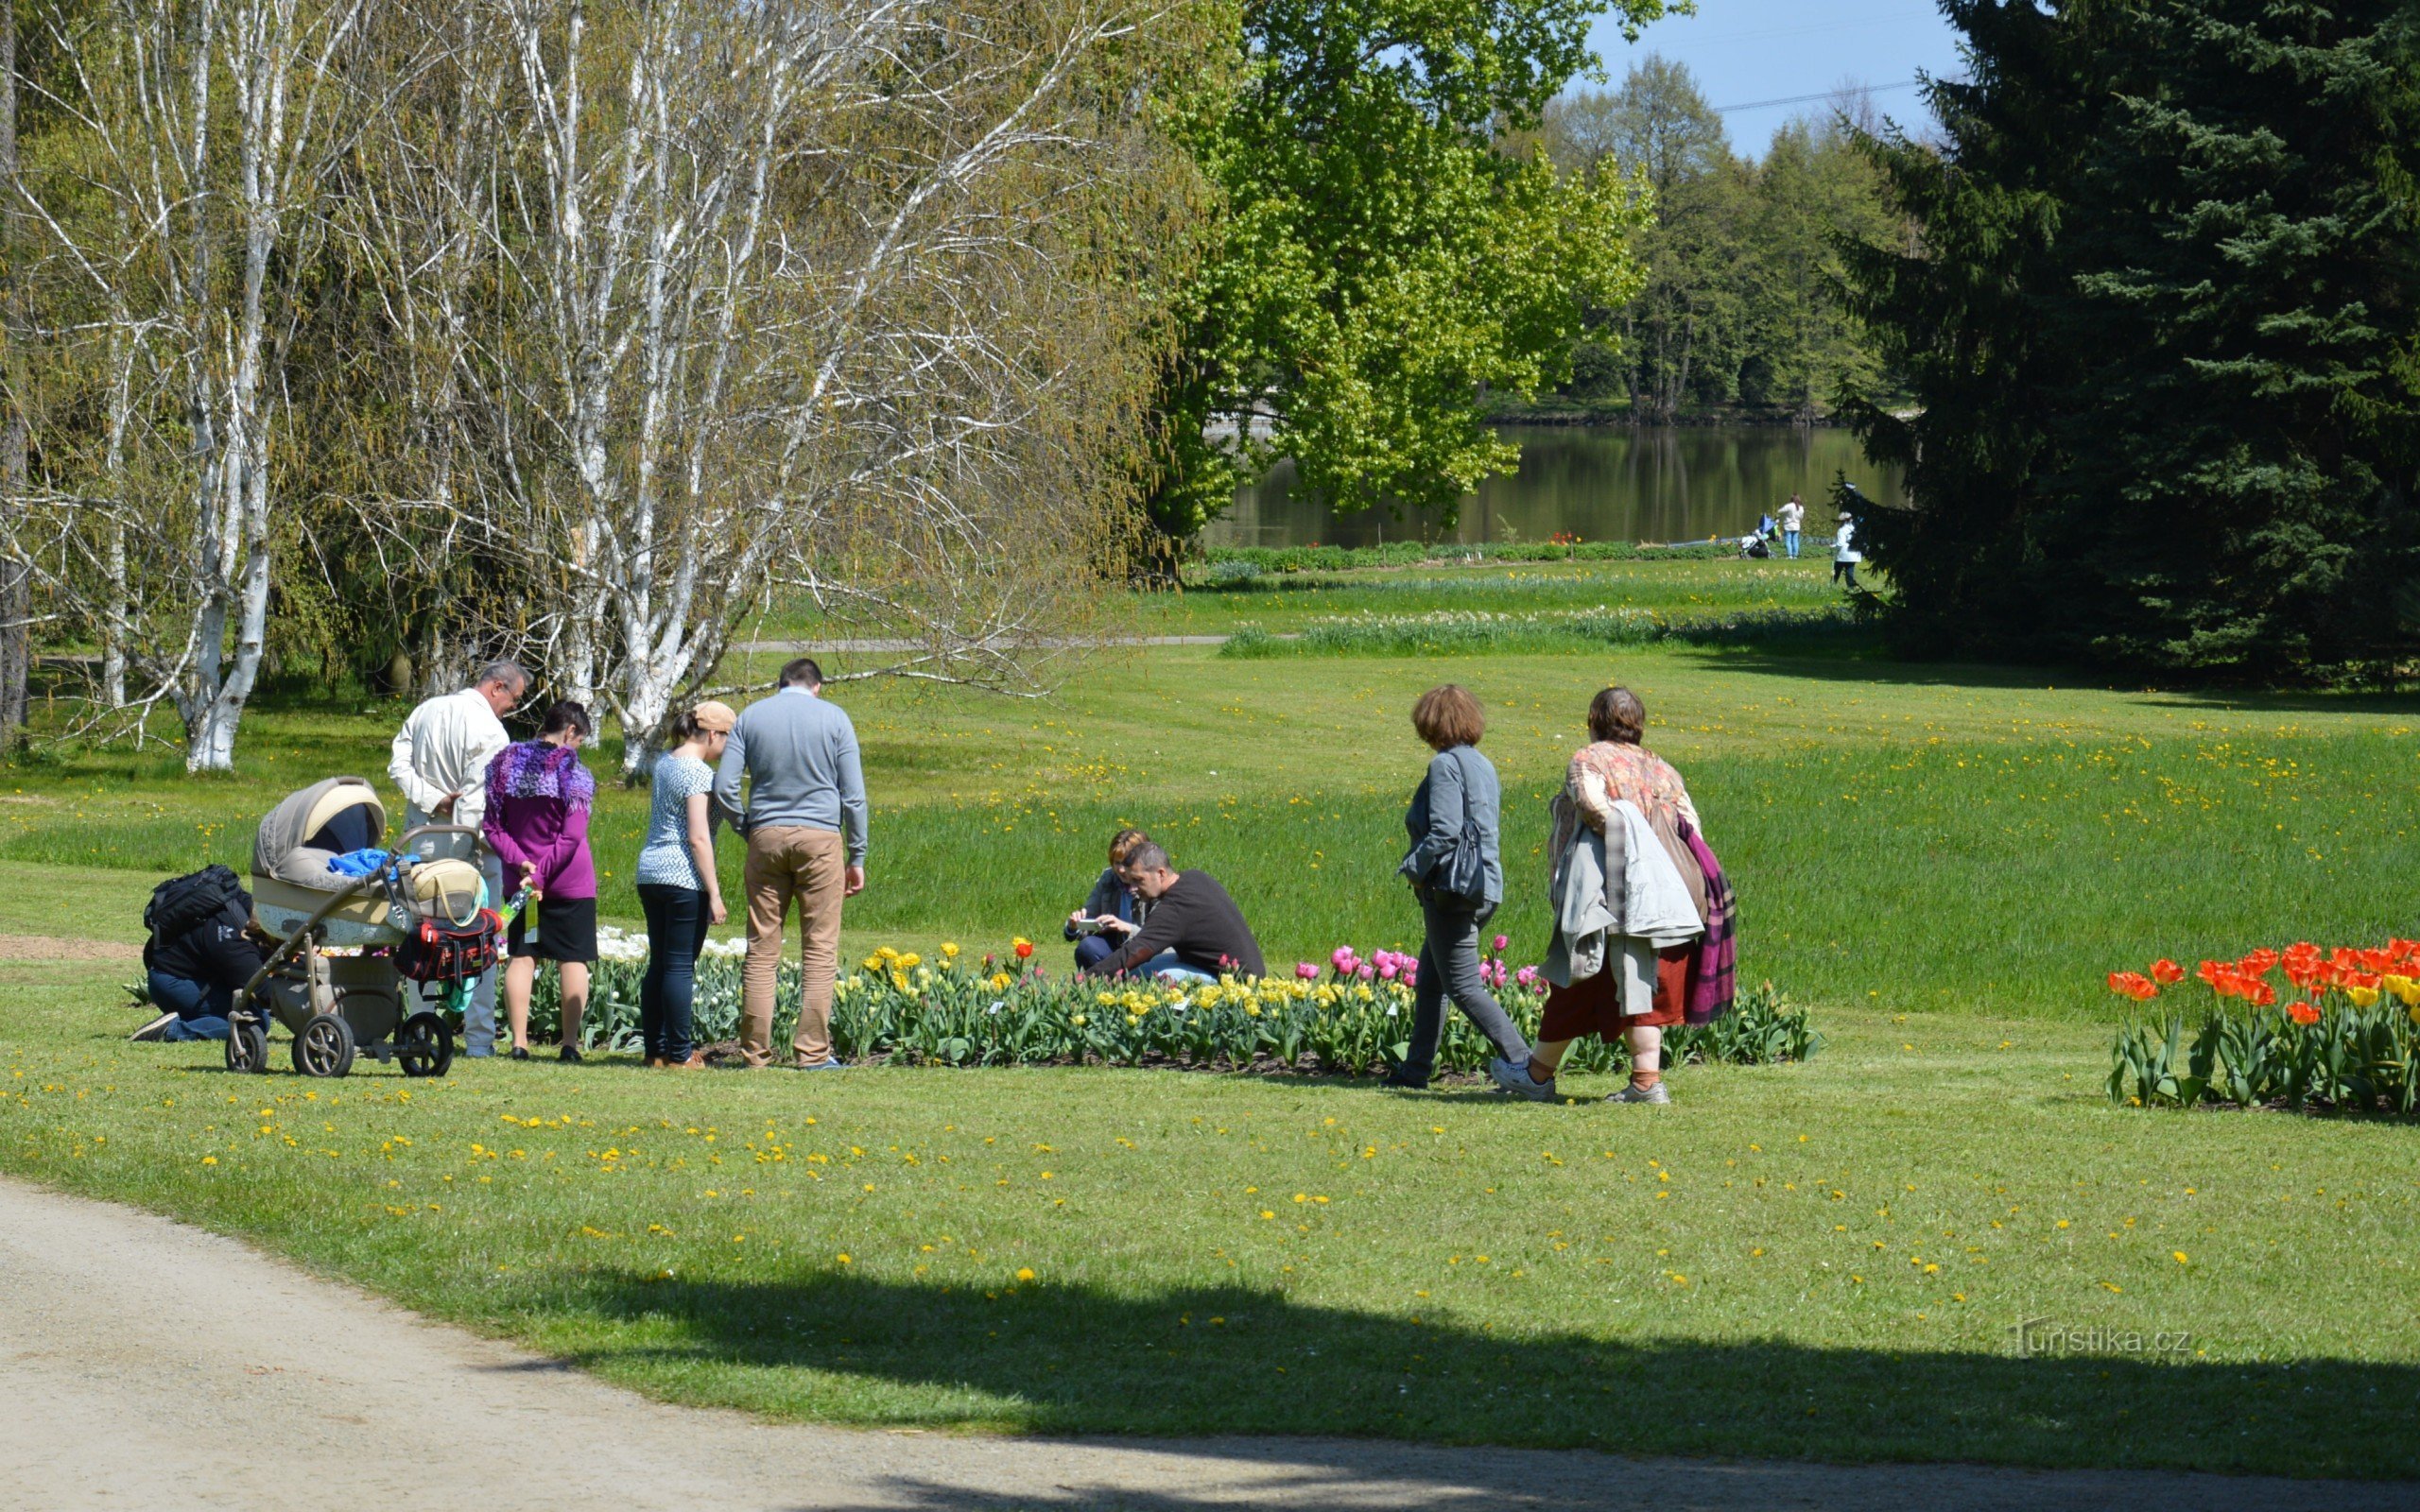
[[1827, 94]]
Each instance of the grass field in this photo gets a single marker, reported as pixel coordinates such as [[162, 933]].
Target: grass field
[[1944, 861]]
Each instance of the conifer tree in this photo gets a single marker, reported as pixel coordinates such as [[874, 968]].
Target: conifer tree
[[2164, 332]]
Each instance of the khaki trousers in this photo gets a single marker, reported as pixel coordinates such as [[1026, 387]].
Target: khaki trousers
[[787, 861]]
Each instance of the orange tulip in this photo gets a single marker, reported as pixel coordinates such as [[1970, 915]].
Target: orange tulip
[[2166, 972], [2301, 1013]]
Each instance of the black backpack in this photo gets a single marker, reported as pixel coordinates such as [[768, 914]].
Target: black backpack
[[182, 904]]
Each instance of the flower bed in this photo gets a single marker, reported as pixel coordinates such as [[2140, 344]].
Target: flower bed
[[1352, 1016], [2348, 1038]]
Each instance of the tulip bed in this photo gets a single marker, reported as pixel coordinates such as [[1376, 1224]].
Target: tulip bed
[[2350, 1041], [1352, 1017]]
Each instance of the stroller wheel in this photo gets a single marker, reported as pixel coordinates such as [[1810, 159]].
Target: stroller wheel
[[324, 1048], [247, 1048], [424, 1045]]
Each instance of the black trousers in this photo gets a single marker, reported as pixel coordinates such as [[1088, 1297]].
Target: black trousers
[[676, 932]]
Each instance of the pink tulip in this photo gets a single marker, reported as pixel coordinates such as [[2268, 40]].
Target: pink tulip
[[1386, 972], [1344, 960], [1526, 976], [1502, 940], [1362, 971], [1306, 971]]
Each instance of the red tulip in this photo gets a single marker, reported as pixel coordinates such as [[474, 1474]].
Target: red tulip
[[2166, 972], [2301, 1013], [1025, 950]]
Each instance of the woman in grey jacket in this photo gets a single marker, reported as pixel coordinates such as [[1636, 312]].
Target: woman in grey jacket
[[1459, 883]]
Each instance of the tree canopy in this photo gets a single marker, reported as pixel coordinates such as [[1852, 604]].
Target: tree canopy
[[2163, 333], [1381, 264]]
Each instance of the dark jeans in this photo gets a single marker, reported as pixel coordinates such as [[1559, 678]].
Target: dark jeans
[[1449, 966], [676, 931], [1844, 572], [1092, 950], [200, 1008]]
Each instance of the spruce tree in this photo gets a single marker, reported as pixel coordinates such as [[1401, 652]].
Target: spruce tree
[[2164, 332]]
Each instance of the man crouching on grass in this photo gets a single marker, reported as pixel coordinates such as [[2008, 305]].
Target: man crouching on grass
[[1194, 930]]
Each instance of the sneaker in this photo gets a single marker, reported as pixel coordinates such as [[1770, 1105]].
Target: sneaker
[[1406, 1080], [1517, 1081], [156, 1029], [1634, 1093], [568, 1055], [826, 1064]]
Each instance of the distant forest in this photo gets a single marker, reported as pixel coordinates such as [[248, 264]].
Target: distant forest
[[1743, 313]]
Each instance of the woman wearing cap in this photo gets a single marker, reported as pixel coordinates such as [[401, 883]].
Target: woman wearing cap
[[678, 885]]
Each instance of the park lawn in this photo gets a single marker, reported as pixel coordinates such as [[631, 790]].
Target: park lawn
[[1824, 1260], [1687, 588], [1919, 838]]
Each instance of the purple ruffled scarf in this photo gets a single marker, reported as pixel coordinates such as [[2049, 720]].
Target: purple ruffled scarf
[[533, 769]]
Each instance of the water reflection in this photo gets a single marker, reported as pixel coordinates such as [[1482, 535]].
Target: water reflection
[[1600, 482]]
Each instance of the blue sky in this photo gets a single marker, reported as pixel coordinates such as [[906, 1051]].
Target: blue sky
[[1744, 51]]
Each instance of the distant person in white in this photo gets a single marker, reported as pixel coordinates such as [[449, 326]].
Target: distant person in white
[[440, 762], [1793, 516], [1844, 552]]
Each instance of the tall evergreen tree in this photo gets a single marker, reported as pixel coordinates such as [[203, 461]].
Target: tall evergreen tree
[[2164, 332]]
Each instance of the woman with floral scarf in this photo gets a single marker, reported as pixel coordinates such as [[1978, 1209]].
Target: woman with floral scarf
[[539, 798]]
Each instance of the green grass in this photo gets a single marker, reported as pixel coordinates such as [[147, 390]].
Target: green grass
[[1970, 842], [1942, 861], [1752, 1262], [1690, 586]]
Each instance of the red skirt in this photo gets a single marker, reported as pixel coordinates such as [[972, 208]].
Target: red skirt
[[1595, 1006]]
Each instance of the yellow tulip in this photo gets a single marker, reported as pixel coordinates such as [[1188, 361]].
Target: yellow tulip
[[2363, 997]]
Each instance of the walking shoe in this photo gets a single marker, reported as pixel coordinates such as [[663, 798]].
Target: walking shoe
[[1634, 1093], [1517, 1081], [568, 1055], [520, 1052], [697, 1061], [1406, 1080], [156, 1029], [653, 1062], [828, 1063]]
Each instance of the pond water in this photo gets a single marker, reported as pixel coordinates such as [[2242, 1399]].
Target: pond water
[[1599, 483]]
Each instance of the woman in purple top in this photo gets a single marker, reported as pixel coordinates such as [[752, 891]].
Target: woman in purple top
[[539, 795]]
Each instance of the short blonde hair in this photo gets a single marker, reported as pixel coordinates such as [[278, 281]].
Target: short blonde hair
[[1448, 716]]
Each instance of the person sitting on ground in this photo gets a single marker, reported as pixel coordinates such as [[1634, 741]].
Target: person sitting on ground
[[1194, 931], [195, 971], [1111, 911]]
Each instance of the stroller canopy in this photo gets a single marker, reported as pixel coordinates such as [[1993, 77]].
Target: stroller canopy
[[302, 832]]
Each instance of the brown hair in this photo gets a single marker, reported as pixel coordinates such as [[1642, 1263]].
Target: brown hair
[[1617, 714], [1122, 844], [1448, 716]]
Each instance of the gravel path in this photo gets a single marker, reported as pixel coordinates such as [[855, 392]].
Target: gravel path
[[144, 1364]]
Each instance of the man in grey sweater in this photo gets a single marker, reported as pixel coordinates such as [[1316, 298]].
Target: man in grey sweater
[[804, 819]]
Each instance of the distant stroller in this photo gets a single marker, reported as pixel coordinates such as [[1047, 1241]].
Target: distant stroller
[[348, 943]]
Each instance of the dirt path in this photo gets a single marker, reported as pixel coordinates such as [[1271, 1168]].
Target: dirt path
[[144, 1364]]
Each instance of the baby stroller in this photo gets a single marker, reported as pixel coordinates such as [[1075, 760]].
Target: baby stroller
[[347, 944]]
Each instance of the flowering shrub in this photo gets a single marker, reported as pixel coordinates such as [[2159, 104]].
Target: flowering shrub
[[2350, 1039], [1353, 1016]]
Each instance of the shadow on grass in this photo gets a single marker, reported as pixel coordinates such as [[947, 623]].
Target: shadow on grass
[[1855, 663], [1234, 1360]]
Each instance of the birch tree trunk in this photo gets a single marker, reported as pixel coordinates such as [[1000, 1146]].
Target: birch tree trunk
[[16, 598]]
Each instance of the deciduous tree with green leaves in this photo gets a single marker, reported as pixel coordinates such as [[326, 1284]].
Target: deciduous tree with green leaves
[[1382, 263]]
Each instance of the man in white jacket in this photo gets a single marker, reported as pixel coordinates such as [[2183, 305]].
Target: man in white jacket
[[440, 762]]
